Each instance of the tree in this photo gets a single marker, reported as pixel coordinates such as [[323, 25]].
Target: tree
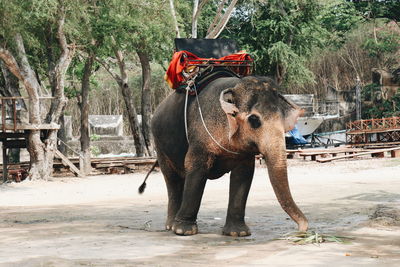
[[339, 18], [143, 29], [15, 57], [280, 35], [91, 38], [207, 17], [371, 9]]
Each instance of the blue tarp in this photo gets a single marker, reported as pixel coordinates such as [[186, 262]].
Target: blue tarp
[[296, 138]]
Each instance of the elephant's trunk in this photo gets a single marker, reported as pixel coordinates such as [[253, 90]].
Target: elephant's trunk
[[274, 151]]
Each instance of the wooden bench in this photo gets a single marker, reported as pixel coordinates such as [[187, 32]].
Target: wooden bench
[[326, 152], [395, 152]]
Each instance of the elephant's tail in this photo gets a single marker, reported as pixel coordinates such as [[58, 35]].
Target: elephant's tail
[[143, 186]]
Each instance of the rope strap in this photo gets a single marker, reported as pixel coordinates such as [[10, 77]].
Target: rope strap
[[202, 119]]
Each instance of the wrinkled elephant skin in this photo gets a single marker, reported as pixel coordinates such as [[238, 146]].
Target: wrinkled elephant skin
[[244, 116]]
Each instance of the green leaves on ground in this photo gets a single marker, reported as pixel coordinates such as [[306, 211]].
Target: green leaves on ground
[[312, 237]]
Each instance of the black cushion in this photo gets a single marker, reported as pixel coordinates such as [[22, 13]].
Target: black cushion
[[207, 48]]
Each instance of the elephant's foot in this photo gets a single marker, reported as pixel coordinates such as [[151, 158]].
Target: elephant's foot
[[184, 228], [235, 230], [169, 223]]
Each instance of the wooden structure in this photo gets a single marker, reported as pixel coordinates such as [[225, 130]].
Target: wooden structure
[[394, 151], [15, 127], [333, 152], [110, 165], [373, 131]]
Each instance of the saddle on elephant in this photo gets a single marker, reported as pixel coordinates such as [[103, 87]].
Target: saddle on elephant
[[197, 62]]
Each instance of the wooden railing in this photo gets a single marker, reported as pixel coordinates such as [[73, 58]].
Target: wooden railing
[[4, 104], [14, 113], [374, 124]]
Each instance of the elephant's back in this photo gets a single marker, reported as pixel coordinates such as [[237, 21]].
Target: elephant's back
[[170, 112], [168, 124], [214, 89], [168, 129]]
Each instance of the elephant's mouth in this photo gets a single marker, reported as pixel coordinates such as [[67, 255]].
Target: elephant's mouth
[[253, 147]]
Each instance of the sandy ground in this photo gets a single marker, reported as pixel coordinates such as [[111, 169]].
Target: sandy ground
[[103, 221]]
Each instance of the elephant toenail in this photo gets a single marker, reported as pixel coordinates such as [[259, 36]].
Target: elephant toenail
[[234, 234], [179, 231], [243, 233]]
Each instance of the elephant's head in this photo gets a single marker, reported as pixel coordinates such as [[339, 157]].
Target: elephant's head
[[258, 116]]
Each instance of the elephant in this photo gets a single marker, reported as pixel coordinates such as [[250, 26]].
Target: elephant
[[229, 122]]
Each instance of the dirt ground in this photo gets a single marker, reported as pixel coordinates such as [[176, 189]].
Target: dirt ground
[[103, 221]]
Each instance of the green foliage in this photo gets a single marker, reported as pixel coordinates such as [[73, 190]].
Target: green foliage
[[339, 18], [389, 9], [281, 36], [36, 21], [95, 151], [136, 25], [379, 108], [385, 43], [94, 137], [294, 64], [313, 237]]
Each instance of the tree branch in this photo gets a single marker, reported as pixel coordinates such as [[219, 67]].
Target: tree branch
[[108, 68], [196, 14], [222, 23], [11, 63], [216, 17], [177, 32]]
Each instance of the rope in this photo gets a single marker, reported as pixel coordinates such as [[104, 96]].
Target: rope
[[185, 114], [205, 127], [192, 82]]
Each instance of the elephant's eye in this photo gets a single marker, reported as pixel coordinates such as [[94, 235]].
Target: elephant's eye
[[254, 121]]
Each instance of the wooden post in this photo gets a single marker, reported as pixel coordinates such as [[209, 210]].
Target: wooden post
[[358, 99], [5, 162], [14, 114], [395, 153], [3, 114]]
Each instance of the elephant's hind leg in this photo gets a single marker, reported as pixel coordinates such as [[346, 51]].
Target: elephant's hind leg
[[175, 184], [240, 183]]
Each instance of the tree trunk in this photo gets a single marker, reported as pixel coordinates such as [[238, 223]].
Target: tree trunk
[[133, 120], [194, 18], [215, 29], [62, 136], [38, 169], [57, 77], [84, 105], [130, 106], [146, 100], [41, 152], [279, 73], [173, 13], [11, 88]]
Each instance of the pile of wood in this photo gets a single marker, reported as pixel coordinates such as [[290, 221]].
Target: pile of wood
[[327, 155], [67, 166]]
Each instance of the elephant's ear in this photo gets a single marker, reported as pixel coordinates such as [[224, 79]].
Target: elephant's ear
[[230, 109], [291, 115]]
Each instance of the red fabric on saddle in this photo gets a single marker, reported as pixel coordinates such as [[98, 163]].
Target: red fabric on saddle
[[181, 59]]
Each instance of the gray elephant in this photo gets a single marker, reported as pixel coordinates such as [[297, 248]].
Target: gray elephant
[[231, 121]]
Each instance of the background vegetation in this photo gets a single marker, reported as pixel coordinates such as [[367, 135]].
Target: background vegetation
[[307, 45]]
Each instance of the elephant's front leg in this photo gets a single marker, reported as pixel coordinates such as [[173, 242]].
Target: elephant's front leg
[[195, 181], [240, 183]]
